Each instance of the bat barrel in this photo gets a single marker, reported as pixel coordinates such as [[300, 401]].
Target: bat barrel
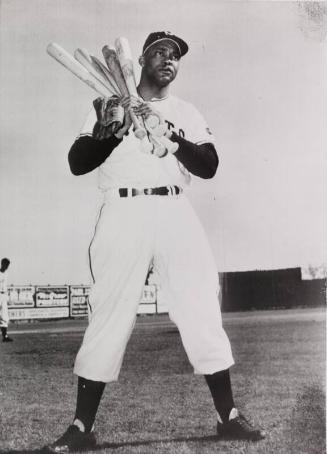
[[69, 62]]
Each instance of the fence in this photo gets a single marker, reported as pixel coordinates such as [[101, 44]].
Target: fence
[[239, 291], [63, 301], [285, 288]]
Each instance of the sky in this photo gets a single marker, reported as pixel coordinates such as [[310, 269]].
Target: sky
[[257, 71]]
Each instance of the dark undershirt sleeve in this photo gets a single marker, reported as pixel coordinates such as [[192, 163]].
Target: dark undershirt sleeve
[[201, 160], [86, 153]]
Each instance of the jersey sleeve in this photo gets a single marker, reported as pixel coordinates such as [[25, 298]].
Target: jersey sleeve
[[88, 126], [198, 131]]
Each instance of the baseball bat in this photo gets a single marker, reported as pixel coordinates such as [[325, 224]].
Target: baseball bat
[[158, 147], [83, 57], [113, 64], [103, 71], [124, 55], [162, 143], [172, 147], [140, 133], [69, 62]]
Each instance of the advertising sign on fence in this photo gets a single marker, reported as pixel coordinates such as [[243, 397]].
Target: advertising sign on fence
[[79, 300], [38, 313], [48, 296], [46, 301], [21, 296]]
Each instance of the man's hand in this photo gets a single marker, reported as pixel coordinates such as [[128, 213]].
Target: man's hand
[[137, 105], [154, 121], [142, 109], [125, 127]]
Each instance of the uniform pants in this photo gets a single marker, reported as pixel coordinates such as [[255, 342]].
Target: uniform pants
[[4, 316], [129, 235]]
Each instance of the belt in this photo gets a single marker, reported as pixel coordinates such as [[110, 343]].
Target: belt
[[162, 190]]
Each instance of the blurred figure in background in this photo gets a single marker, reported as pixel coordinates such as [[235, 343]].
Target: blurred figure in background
[[4, 316]]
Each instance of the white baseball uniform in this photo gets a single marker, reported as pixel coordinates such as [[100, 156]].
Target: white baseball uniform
[[131, 232], [4, 315]]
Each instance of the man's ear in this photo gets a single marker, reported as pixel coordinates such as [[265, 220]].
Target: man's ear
[[141, 60]]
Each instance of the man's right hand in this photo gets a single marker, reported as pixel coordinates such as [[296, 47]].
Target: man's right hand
[[138, 106]]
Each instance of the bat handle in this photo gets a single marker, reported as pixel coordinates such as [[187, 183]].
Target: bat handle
[[172, 147], [146, 145], [139, 132]]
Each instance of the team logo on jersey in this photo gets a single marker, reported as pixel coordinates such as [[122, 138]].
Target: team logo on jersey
[[171, 126], [208, 131]]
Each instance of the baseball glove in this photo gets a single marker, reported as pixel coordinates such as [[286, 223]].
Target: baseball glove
[[110, 117]]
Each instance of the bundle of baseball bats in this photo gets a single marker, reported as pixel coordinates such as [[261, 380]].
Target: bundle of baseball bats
[[116, 78]]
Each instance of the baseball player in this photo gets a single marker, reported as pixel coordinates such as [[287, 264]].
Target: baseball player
[[4, 316], [146, 219]]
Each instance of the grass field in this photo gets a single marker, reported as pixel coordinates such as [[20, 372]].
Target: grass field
[[159, 406]]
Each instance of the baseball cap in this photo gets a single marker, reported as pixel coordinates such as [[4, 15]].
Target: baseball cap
[[155, 37]]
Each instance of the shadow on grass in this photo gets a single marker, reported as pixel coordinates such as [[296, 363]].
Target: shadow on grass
[[209, 438], [21, 451], [107, 445]]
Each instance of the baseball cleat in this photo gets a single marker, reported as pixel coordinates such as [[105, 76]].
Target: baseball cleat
[[72, 440], [7, 339], [239, 428]]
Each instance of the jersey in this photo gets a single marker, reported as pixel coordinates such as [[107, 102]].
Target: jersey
[[129, 166], [4, 316], [3, 282]]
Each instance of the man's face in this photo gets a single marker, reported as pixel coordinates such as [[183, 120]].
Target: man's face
[[161, 63]]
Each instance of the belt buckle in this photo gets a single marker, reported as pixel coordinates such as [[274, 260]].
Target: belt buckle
[[148, 191]]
